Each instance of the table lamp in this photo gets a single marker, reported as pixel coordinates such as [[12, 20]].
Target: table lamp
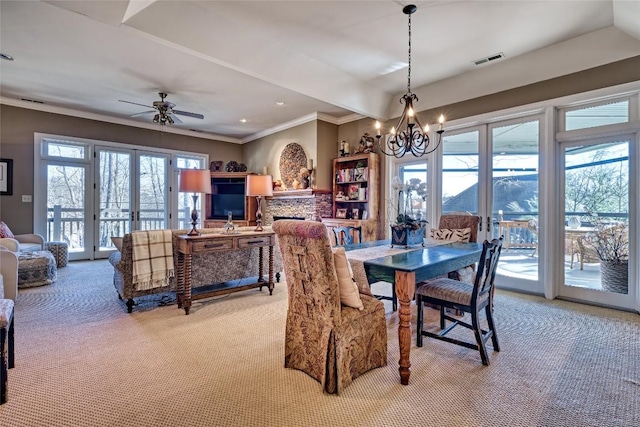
[[259, 186], [195, 181]]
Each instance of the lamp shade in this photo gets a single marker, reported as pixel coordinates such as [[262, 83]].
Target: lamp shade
[[259, 185], [195, 181]]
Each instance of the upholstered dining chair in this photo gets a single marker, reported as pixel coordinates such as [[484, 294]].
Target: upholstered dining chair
[[466, 298], [345, 235], [331, 342]]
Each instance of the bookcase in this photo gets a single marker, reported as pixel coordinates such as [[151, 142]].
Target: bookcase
[[356, 193], [228, 191]]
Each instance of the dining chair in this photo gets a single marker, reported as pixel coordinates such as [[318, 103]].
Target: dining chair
[[466, 298], [345, 235], [332, 342]]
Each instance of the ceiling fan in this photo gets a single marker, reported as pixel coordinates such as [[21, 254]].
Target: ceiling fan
[[164, 111]]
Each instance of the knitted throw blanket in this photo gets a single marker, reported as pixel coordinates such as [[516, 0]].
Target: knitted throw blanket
[[152, 258]]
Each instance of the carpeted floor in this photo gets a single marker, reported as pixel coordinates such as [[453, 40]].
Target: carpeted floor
[[81, 360]]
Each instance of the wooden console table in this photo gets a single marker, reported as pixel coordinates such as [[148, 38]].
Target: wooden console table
[[190, 245]]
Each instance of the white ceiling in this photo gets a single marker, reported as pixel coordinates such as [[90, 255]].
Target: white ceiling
[[331, 59]]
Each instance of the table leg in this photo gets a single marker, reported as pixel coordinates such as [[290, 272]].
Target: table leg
[[186, 303], [260, 265], [180, 280], [405, 288], [271, 283]]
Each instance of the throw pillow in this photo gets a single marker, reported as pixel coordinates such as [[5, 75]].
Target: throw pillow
[[5, 231], [451, 234], [117, 242], [347, 285]]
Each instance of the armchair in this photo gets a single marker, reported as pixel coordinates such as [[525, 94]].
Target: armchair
[[8, 291], [9, 273], [20, 242], [331, 342]]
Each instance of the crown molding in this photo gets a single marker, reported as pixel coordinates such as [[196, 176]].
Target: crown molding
[[302, 120], [46, 108]]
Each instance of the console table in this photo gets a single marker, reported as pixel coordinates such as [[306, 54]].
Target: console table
[[221, 242]]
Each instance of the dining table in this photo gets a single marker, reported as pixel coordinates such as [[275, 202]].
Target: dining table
[[405, 268]]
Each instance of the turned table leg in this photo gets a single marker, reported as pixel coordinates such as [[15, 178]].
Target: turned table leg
[[186, 303], [180, 280], [271, 284], [405, 288]]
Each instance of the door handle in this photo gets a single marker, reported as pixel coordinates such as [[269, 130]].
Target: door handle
[[488, 224], [133, 215], [138, 215]]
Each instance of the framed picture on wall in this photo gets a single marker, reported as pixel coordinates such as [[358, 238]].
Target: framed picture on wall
[[341, 213], [6, 177]]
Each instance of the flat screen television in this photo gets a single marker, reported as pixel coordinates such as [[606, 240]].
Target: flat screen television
[[221, 204]]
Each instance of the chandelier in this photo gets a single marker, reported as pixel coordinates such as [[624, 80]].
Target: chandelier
[[414, 138]]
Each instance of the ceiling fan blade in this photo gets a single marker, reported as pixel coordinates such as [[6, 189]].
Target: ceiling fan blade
[[142, 113], [135, 103], [186, 113], [175, 118]]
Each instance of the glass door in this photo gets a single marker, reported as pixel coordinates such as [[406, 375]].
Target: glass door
[[492, 171], [596, 221], [125, 203]]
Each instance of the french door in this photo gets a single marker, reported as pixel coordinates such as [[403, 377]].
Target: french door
[[133, 194], [599, 189], [492, 171]]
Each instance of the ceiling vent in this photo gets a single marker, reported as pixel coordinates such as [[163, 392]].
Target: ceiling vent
[[489, 58], [32, 100]]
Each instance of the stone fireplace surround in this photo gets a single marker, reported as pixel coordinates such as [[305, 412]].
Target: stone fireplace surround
[[308, 204]]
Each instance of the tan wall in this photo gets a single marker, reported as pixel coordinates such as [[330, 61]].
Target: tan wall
[[17, 128], [266, 151], [326, 152]]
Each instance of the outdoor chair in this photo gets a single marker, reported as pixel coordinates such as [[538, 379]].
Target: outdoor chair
[[330, 341], [466, 298]]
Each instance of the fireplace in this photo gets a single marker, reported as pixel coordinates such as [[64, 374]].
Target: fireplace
[[297, 204]]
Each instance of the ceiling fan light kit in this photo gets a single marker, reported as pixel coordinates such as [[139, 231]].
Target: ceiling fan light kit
[[414, 138], [164, 111]]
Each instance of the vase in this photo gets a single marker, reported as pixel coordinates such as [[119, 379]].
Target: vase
[[405, 236], [614, 276]]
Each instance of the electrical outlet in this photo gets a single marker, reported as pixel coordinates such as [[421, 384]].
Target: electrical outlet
[[26, 198]]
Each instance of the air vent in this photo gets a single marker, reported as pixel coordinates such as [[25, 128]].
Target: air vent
[[489, 59], [32, 100]]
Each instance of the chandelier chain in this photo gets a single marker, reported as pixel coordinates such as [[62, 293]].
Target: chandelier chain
[[409, 70]]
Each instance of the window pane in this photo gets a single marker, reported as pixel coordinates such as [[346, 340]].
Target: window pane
[[599, 115], [460, 173], [65, 149]]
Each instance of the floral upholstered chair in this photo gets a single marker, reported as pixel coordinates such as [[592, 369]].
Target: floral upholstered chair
[[330, 341]]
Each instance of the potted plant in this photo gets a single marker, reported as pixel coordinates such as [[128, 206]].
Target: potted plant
[[611, 242], [407, 226]]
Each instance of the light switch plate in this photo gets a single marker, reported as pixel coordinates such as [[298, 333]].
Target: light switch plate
[[26, 198]]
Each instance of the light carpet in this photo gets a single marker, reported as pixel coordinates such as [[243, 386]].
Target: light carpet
[[81, 360]]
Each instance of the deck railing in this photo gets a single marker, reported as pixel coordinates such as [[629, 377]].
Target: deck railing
[[68, 224]]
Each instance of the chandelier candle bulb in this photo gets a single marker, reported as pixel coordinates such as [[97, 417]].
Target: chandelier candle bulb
[[265, 170], [310, 164]]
